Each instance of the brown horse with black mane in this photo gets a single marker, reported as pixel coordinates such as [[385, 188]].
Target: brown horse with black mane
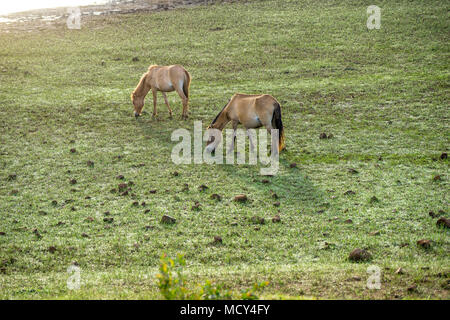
[[252, 111], [164, 79]]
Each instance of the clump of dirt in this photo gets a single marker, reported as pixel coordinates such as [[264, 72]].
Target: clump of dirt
[[424, 243], [276, 219], [108, 220], [443, 222], [241, 198], [168, 219], [217, 240], [215, 196], [196, 206], [257, 220], [359, 255], [52, 249], [73, 181], [293, 165], [73, 150], [444, 156], [323, 135]]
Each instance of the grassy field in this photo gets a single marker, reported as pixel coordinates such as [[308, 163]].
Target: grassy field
[[68, 133]]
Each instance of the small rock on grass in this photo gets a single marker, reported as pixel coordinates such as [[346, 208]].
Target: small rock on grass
[[168, 219], [399, 271], [424, 243], [217, 240], [276, 219], [359, 255]]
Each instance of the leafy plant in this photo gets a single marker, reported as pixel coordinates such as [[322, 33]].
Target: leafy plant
[[172, 284]]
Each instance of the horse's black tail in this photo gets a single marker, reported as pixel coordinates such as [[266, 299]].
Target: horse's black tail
[[278, 124], [186, 84]]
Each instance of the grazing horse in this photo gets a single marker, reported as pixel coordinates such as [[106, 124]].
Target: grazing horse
[[164, 79], [252, 111]]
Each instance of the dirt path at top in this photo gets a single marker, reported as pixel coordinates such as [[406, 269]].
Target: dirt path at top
[[40, 19]]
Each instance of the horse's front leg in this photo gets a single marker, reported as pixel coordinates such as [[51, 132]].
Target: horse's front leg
[[154, 102], [231, 149]]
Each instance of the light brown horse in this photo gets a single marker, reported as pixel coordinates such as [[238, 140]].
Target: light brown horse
[[164, 79], [252, 111]]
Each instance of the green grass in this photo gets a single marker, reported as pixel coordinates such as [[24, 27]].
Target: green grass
[[383, 94]]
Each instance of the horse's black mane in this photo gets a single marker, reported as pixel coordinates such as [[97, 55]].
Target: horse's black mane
[[215, 119]]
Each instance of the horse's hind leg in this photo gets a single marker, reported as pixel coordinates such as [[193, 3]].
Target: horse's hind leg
[[167, 103], [184, 100]]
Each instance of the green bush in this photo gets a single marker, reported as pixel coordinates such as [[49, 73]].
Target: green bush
[[172, 284]]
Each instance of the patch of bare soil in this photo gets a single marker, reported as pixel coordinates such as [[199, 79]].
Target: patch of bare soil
[[52, 18]]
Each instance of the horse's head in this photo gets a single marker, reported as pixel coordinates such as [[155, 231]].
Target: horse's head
[[214, 139], [138, 103]]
